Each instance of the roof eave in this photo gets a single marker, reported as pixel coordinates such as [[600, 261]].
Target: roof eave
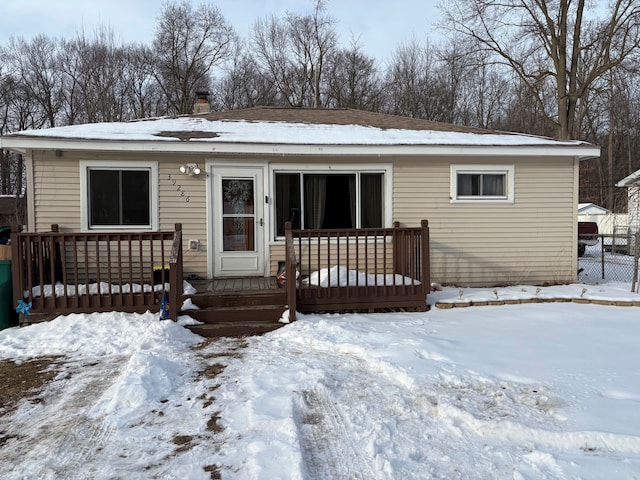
[[629, 179], [23, 144]]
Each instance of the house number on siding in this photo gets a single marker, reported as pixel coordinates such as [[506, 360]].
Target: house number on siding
[[174, 183]]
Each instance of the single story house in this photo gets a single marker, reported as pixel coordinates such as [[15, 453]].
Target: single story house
[[501, 207]]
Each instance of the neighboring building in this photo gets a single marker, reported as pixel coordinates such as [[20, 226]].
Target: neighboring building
[[502, 207], [608, 222], [632, 184], [591, 209]]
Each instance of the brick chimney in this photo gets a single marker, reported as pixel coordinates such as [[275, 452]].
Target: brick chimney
[[202, 103]]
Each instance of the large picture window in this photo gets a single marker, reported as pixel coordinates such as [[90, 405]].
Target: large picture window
[[473, 183], [329, 200], [117, 197]]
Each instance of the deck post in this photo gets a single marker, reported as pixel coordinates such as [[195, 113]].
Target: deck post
[[175, 274], [290, 269], [398, 249], [17, 267], [425, 257]]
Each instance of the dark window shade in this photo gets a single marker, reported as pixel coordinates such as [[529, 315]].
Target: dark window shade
[[119, 197], [330, 200]]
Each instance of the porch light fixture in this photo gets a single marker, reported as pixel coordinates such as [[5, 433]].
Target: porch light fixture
[[190, 169]]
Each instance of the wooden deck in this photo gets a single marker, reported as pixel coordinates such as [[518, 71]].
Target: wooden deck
[[57, 273], [365, 269]]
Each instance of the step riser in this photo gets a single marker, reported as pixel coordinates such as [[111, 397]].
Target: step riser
[[239, 330], [210, 315]]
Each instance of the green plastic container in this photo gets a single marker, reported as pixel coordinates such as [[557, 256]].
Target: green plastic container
[[6, 295]]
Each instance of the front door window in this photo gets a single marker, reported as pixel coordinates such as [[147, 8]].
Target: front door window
[[238, 214]]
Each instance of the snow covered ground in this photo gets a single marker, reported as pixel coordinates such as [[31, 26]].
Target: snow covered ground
[[528, 391]]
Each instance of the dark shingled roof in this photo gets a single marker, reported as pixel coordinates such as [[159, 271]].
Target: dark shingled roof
[[337, 116]]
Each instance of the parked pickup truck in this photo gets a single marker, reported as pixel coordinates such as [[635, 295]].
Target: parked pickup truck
[[587, 236]]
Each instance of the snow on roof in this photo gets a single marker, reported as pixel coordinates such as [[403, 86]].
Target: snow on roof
[[591, 208], [290, 126], [195, 129]]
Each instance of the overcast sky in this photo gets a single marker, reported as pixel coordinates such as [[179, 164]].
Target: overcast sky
[[380, 25]]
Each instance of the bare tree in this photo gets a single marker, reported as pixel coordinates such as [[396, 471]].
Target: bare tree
[[188, 44], [12, 173], [313, 39], [523, 113], [353, 80], [143, 96], [292, 54], [484, 96], [34, 65], [414, 83], [544, 40], [243, 86], [271, 46], [94, 78]]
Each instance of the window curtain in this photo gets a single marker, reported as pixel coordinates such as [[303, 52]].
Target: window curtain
[[287, 201], [493, 184], [352, 200], [371, 200], [315, 189], [465, 185]]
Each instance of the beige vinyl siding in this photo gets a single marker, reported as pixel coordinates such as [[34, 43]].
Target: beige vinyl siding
[[56, 192], [529, 241], [174, 208], [57, 197]]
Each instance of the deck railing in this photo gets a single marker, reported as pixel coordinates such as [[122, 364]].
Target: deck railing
[[357, 269], [61, 273]]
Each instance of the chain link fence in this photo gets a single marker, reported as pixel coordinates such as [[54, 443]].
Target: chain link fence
[[612, 258]]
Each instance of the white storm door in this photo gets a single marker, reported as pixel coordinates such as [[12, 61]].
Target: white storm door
[[238, 206]]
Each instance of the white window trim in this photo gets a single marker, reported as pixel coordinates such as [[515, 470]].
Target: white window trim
[[85, 165], [508, 170], [326, 168]]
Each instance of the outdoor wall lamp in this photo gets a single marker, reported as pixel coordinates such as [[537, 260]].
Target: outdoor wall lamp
[[190, 169]]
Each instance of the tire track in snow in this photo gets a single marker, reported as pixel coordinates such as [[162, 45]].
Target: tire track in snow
[[426, 427], [55, 439], [327, 447]]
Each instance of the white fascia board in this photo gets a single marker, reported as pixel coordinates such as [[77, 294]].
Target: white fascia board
[[21, 144]]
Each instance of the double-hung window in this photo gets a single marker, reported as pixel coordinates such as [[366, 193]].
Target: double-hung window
[[122, 197], [321, 200], [482, 183]]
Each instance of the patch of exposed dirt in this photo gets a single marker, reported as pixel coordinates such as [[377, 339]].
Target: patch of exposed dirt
[[183, 442], [25, 380]]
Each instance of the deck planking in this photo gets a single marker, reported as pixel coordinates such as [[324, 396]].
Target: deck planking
[[237, 285]]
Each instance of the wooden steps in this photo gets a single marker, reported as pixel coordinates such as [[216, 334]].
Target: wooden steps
[[240, 313]]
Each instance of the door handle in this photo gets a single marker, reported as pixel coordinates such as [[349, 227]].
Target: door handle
[[261, 223]]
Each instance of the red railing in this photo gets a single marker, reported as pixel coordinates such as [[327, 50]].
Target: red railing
[[357, 269], [61, 273]]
